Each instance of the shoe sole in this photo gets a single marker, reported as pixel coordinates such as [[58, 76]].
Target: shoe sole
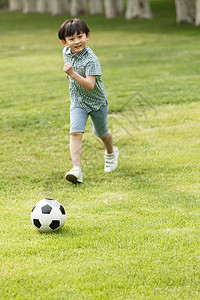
[[72, 178]]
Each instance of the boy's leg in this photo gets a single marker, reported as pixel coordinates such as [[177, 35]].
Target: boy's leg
[[99, 119], [78, 119], [100, 124], [111, 155], [76, 148], [108, 142]]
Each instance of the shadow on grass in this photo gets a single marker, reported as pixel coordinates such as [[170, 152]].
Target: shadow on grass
[[66, 231]]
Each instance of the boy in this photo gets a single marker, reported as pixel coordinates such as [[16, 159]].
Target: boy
[[87, 94]]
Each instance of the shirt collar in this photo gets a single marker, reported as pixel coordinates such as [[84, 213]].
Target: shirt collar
[[78, 55]]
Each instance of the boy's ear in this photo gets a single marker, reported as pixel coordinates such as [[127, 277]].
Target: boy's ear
[[88, 36], [64, 42]]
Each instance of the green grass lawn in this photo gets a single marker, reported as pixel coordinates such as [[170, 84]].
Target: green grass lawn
[[131, 234]]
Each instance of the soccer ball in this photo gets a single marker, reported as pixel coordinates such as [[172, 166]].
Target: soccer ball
[[48, 215]]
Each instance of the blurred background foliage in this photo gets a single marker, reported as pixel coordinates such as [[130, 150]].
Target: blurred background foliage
[[3, 3]]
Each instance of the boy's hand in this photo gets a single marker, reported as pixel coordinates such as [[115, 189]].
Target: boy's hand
[[68, 69], [87, 82]]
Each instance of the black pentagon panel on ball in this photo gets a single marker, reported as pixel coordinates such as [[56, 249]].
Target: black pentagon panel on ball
[[37, 223], [62, 210], [54, 224], [46, 209]]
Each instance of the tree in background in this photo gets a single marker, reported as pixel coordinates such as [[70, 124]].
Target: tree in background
[[197, 21], [15, 5], [29, 6], [138, 9], [57, 7], [120, 6], [96, 7], [42, 6], [112, 8], [187, 11], [78, 7]]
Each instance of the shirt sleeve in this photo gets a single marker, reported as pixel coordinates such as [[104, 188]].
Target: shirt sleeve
[[65, 54], [93, 67]]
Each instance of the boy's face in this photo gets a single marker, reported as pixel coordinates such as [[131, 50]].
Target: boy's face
[[76, 42]]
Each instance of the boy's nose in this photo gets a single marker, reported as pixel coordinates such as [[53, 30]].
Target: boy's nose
[[76, 41]]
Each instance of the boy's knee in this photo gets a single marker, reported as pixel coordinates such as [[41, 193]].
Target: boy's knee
[[105, 136], [77, 134]]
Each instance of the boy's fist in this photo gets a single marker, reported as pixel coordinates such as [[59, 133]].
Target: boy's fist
[[68, 68]]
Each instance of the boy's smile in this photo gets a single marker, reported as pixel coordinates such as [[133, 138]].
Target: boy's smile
[[76, 42]]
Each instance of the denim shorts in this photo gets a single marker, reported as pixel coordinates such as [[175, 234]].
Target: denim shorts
[[78, 119]]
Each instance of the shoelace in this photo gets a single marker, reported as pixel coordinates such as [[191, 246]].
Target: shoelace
[[108, 159]]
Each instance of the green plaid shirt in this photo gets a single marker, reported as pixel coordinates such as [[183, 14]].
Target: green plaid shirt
[[85, 63]]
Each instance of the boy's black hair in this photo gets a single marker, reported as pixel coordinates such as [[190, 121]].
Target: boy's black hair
[[71, 26]]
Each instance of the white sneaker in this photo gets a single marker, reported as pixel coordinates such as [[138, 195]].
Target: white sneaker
[[74, 175], [111, 160]]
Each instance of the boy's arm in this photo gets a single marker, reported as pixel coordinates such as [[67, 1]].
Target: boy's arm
[[87, 83]]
